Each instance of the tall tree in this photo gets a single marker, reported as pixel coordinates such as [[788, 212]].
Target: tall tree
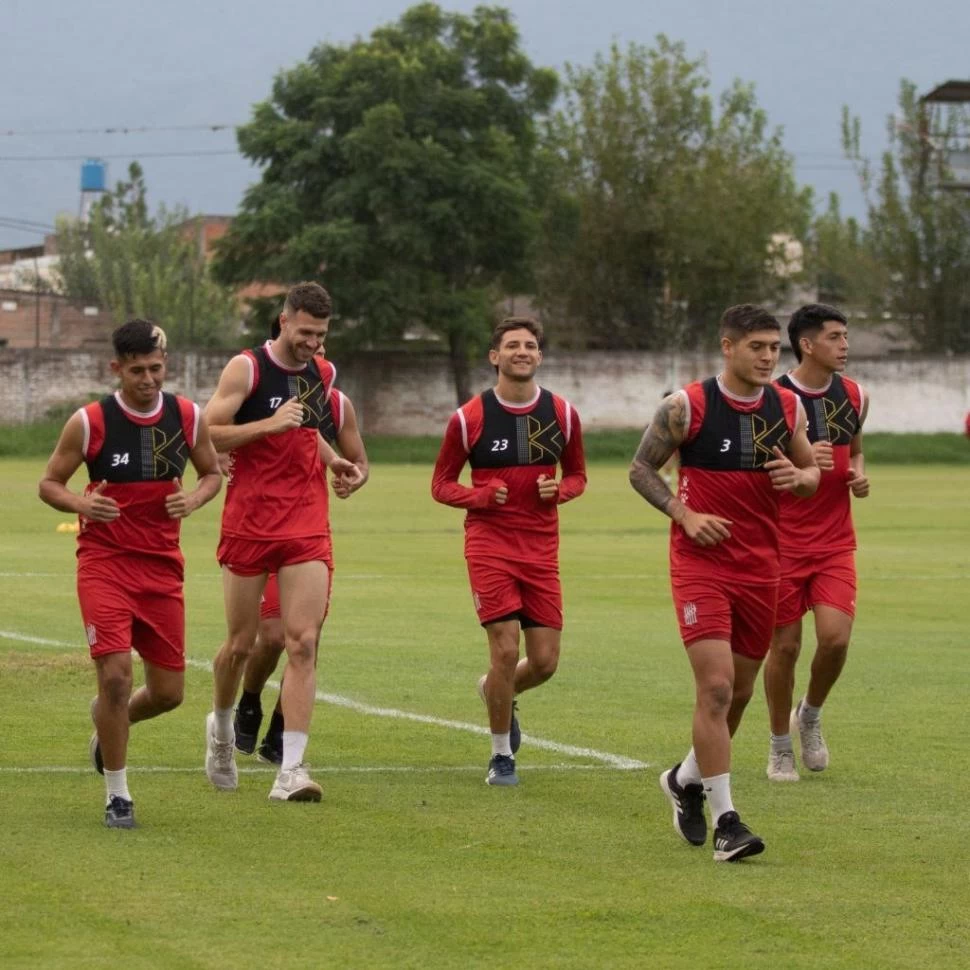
[[668, 206], [918, 231], [399, 170], [140, 265]]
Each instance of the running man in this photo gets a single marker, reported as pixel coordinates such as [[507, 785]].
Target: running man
[[817, 540], [130, 570], [339, 427], [267, 412], [742, 445], [513, 436]]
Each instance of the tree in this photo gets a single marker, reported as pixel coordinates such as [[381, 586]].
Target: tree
[[400, 171], [918, 233], [139, 265], [667, 207]]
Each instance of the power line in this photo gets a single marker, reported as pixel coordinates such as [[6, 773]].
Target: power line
[[27, 223], [114, 130], [136, 155]]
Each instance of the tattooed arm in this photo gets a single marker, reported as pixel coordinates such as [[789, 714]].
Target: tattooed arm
[[664, 435]]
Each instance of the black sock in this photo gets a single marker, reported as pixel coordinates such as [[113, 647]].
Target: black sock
[[250, 700], [275, 724]]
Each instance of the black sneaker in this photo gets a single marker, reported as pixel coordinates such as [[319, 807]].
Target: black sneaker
[[501, 771], [733, 840], [688, 804], [515, 732], [246, 725], [271, 750], [119, 813]]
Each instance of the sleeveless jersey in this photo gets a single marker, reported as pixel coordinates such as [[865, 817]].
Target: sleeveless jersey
[[822, 524], [722, 473], [138, 455], [277, 486]]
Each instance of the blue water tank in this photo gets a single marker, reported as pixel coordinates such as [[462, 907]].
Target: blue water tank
[[93, 173]]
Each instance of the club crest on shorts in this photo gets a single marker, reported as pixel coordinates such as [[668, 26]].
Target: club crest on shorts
[[92, 634], [690, 614]]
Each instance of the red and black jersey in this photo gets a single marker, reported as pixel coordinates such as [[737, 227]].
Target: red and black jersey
[[514, 445], [722, 461], [277, 486], [138, 454], [823, 523]]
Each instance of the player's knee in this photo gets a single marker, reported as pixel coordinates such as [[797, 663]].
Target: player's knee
[[239, 647], [715, 695], [545, 666], [301, 650], [115, 688], [834, 645], [168, 697], [741, 696], [786, 649]]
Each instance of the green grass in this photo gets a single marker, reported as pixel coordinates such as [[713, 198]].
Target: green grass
[[576, 868]]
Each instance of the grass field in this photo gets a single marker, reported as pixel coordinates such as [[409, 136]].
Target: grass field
[[411, 860]]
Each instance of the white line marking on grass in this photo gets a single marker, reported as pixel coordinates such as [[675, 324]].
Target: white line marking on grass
[[271, 769], [337, 700]]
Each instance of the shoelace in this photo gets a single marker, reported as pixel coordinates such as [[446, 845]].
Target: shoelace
[[504, 765], [813, 733], [223, 752]]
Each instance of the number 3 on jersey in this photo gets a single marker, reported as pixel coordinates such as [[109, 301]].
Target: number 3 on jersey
[[725, 445]]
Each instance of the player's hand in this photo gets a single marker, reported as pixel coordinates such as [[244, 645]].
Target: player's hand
[[179, 504], [289, 415], [784, 475], [858, 483], [704, 529], [823, 455], [345, 485], [499, 492], [98, 507], [548, 488]]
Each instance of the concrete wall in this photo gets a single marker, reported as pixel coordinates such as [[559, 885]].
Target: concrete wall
[[412, 394]]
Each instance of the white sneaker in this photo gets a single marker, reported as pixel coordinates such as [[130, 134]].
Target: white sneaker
[[296, 785], [815, 752], [220, 763], [781, 766]]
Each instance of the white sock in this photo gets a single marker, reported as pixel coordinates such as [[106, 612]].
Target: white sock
[[294, 744], [808, 713], [501, 744], [116, 783], [718, 791], [223, 726], [781, 742], [689, 772]]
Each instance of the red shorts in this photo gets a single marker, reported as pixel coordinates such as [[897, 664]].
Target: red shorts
[[810, 581], [252, 557], [743, 615], [121, 613], [269, 602], [501, 587]]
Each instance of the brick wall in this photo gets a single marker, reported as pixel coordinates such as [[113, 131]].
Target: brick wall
[[413, 394]]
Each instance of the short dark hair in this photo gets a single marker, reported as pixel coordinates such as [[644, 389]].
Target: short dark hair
[[808, 320], [746, 318], [517, 323], [309, 298], [138, 337]]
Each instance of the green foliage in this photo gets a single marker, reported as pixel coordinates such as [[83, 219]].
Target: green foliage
[[139, 265], [918, 235], [399, 170], [666, 207]]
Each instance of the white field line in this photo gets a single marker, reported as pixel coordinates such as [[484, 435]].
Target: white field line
[[568, 750]]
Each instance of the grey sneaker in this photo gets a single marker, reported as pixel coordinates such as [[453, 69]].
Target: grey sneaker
[[515, 732], [220, 763], [815, 752], [119, 813], [501, 771], [296, 785], [781, 766], [94, 745], [688, 805]]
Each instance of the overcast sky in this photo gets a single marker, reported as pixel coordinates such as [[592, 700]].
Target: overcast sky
[[67, 65]]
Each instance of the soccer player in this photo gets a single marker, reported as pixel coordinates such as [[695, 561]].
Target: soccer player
[[742, 445], [130, 570], [339, 427], [267, 411], [817, 540], [513, 436]]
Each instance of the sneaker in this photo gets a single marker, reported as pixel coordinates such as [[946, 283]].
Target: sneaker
[[94, 745], [688, 804], [220, 764], [781, 766], [296, 785], [733, 840], [119, 813], [270, 752], [515, 732], [246, 726], [501, 771], [815, 752]]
